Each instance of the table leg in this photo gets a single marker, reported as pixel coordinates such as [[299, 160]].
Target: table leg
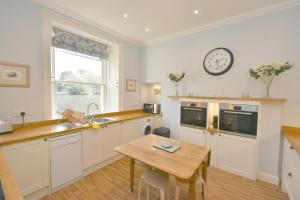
[[205, 165], [192, 187], [131, 174]]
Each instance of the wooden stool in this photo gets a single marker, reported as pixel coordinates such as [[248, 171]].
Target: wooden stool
[[156, 180], [199, 181]]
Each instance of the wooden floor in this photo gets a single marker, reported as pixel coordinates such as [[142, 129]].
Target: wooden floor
[[112, 182]]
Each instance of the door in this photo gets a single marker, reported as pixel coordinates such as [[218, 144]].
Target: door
[[92, 147], [237, 155], [29, 163], [129, 130], [193, 135], [111, 139]]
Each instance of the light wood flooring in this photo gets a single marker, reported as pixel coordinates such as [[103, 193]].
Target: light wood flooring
[[112, 182]]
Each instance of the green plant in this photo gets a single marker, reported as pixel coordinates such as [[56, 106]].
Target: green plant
[[176, 77]]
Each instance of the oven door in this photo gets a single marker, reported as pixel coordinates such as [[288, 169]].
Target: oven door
[[241, 122], [193, 116]]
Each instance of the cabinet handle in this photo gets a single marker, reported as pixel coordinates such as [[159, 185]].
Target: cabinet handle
[[291, 147], [290, 174], [220, 134]]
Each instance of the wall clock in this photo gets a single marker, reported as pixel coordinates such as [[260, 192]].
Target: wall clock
[[218, 61]]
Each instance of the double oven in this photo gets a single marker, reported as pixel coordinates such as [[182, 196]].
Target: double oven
[[235, 119]]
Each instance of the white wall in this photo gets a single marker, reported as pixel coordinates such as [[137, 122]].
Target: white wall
[[21, 27], [273, 37]]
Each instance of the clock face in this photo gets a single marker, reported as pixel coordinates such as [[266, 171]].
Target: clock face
[[218, 61]]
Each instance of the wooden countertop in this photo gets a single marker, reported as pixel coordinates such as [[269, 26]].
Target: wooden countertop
[[50, 128], [292, 134], [9, 186], [263, 100]]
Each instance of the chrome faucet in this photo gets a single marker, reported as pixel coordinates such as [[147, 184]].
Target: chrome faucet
[[91, 118]]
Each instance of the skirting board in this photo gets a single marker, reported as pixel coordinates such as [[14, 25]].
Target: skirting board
[[267, 178]]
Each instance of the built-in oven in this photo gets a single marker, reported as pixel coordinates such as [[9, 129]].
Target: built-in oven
[[239, 119], [193, 114]]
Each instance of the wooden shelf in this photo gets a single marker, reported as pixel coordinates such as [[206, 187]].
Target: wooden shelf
[[263, 100]]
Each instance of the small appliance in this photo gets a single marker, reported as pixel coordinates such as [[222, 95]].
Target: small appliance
[[152, 108], [5, 126]]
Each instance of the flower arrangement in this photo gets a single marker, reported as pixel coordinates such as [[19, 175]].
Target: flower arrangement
[[267, 73], [176, 78]]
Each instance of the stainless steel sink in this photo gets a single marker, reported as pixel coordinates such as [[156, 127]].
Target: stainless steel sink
[[70, 125], [103, 120]]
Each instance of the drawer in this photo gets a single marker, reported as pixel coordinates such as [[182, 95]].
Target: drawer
[[291, 155], [292, 180]]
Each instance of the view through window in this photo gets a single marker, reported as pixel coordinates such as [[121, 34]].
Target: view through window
[[77, 80]]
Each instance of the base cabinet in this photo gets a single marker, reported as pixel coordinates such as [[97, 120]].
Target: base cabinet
[[237, 155], [130, 131], [29, 163], [290, 171], [92, 147], [193, 135], [111, 139]]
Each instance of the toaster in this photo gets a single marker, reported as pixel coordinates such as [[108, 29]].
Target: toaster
[[5, 126]]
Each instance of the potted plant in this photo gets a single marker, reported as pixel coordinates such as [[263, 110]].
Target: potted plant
[[267, 73], [176, 78]]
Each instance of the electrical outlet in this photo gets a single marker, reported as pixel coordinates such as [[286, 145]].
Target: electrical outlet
[[17, 113]]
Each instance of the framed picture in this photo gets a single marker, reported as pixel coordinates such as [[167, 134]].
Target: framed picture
[[14, 75], [131, 85]]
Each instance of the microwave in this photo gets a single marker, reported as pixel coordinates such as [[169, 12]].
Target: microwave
[[239, 120], [152, 108]]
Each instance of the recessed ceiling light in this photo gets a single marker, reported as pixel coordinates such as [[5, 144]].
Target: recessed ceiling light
[[196, 12], [147, 29], [125, 15]]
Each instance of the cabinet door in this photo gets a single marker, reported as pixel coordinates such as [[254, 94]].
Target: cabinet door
[[237, 155], [29, 163], [111, 139], [192, 135], [129, 131], [92, 147], [212, 143], [157, 121]]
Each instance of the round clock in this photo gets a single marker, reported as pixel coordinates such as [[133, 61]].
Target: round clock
[[218, 61]]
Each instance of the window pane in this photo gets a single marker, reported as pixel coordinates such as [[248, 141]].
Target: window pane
[[71, 66], [77, 97]]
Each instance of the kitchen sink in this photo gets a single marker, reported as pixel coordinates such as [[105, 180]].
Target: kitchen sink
[[70, 125], [103, 120]]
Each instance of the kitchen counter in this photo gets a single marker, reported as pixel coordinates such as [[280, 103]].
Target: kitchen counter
[[292, 134], [51, 128], [9, 186]]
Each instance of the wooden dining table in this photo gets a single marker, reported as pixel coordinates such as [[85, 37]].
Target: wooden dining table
[[185, 164]]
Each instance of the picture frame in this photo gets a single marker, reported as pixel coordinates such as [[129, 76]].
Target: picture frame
[[14, 75], [131, 85]]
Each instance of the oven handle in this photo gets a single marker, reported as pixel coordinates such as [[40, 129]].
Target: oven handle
[[239, 113], [192, 108]]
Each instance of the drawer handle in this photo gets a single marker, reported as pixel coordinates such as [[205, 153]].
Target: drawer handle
[[290, 174], [291, 147]]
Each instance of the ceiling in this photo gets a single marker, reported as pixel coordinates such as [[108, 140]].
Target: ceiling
[[162, 17]]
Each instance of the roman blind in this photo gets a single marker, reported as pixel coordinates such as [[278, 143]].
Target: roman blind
[[72, 42]]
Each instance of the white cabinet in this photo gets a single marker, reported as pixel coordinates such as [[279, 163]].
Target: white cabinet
[[237, 155], [29, 163], [193, 135], [212, 143], [92, 147], [130, 130], [291, 171], [111, 139]]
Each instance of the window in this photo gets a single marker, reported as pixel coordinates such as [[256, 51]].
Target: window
[[77, 80]]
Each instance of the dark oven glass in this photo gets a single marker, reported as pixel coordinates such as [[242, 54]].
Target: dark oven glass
[[238, 121], [193, 116]]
